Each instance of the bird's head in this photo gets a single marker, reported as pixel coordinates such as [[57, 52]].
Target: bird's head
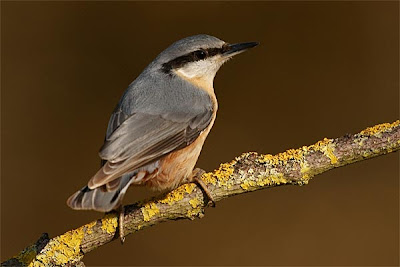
[[198, 58]]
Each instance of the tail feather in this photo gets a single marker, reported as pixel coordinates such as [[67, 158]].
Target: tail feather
[[104, 198]]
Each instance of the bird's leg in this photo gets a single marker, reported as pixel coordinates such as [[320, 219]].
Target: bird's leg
[[121, 216], [196, 176]]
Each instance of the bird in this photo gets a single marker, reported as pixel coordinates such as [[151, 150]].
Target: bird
[[157, 130]]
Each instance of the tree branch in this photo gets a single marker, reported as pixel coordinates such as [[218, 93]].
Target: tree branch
[[246, 173]]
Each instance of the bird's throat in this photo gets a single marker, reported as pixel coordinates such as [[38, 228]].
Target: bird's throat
[[203, 82]]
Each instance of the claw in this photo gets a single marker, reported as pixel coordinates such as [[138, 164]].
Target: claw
[[196, 176]]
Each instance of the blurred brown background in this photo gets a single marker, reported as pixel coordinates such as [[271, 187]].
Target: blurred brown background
[[323, 69]]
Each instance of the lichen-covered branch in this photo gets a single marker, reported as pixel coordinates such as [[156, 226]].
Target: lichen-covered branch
[[247, 172]]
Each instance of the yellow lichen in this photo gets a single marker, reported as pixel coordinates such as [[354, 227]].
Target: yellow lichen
[[282, 158], [196, 208], [290, 154], [262, 180], [248, 184], [327, 147], [268, 158], [189, 188], [380, 128], [193, 212], [89, 227], [209, 178], [279, 179], [245, 185], [36, 264], [178, 194], [270, 178], [149, 210], [304, 169], [109, 223], [297, 156], [221, 175], [62, 249], [318, 146], [303, 182], [224, 173], [328, 151], [194, 202]]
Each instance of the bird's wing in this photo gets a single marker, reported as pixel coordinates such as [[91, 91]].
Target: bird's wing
[[116, 119], [143, 138]]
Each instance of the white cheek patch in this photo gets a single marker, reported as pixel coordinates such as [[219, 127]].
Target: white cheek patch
[[202, 69]]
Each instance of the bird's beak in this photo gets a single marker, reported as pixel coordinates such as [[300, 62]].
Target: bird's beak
[[234, 49]]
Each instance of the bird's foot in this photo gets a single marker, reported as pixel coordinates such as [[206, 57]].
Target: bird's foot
[[121, 211], [196, 176]]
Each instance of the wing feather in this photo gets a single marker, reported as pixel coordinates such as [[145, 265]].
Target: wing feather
[[143, 138]]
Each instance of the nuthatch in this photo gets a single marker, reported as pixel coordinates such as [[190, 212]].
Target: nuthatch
[[157, 130]]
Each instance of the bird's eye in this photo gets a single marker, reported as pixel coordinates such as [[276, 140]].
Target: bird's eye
[[200, 54]]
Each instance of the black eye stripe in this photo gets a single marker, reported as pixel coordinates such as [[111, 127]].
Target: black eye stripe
[[200, 54], [191, 57]]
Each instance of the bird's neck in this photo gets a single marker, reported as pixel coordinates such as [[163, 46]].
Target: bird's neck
[[205, 83]]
